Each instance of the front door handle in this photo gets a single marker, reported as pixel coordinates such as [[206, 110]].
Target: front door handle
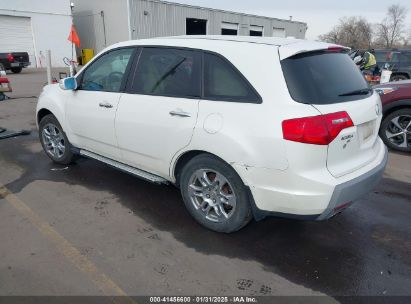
[[180, 113], [105, 105]]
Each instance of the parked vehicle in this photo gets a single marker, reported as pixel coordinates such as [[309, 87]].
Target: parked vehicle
[[231, 121], [395, 129], [14, 61], [399, 60], [4, 87]]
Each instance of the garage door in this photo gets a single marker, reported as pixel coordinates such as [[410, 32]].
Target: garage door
[[279, 32], [16, 35]]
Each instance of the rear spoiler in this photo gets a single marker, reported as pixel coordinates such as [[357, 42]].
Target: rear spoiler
[[304, 46]]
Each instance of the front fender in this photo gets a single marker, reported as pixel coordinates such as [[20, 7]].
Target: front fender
[[388, 108], [53, 99]]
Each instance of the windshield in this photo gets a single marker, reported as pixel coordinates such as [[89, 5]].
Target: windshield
[[324, 78]]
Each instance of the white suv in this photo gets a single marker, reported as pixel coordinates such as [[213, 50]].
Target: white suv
[[244, 126]]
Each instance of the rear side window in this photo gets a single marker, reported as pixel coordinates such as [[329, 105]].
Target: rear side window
[[168, 72], [223, 82], [322, 77]]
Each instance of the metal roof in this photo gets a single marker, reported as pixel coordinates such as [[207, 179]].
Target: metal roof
[[223, 11]]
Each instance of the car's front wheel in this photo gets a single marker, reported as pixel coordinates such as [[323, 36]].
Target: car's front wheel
[[396, 130], [54, 140], [214, 194]]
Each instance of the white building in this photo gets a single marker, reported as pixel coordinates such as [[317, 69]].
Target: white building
[[101, 23], [34, 26]]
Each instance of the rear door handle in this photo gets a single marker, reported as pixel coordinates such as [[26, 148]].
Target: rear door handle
[[180, 113], [105, 105]]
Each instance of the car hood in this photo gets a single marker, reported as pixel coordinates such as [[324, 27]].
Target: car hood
[[402, 83]]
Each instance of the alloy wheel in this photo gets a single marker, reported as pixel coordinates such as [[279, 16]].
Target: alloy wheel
[[398, 131], [212, 195], [53, 140]]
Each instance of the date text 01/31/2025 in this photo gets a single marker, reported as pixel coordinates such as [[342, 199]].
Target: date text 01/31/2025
[[203, 299]]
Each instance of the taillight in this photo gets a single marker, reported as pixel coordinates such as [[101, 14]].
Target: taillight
[[316, 130], [10, 57], [5, 85], [335, 48]]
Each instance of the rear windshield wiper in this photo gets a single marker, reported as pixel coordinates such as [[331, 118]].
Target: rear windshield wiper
[[357, 92]]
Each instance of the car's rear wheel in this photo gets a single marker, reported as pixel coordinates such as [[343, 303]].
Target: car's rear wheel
[[214, 194], [16, 70], [54, 140], [396, 130]]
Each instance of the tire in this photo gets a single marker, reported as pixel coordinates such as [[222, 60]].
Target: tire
[[398, 77], [396, 123], [202, 194], [54, 141], [16, 70]]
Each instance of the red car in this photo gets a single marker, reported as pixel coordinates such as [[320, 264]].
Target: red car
[[395, 129]]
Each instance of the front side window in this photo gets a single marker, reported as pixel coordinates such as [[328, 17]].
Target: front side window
[[107, 72], [168, 72], [223, 82]]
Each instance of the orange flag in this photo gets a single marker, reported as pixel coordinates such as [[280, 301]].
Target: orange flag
[[73, 37]]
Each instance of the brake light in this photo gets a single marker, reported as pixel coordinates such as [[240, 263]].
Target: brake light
[[10, 57], [336, 48], [316, 130]]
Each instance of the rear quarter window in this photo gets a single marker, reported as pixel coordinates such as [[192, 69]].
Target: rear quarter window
[[321, 77], [222, 81]]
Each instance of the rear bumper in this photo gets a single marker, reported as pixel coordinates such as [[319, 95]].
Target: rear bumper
[[309, 195], [19, 64], [354, 189]]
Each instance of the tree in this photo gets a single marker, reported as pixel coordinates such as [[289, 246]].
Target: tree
[[390, 31], [354, 32]]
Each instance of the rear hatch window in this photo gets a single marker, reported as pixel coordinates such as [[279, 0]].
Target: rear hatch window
[[324, 77]]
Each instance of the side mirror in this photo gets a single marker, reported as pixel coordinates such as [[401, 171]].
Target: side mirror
[[69, 83]]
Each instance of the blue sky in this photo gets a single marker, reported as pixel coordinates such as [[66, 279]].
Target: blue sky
[[321, 15]]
